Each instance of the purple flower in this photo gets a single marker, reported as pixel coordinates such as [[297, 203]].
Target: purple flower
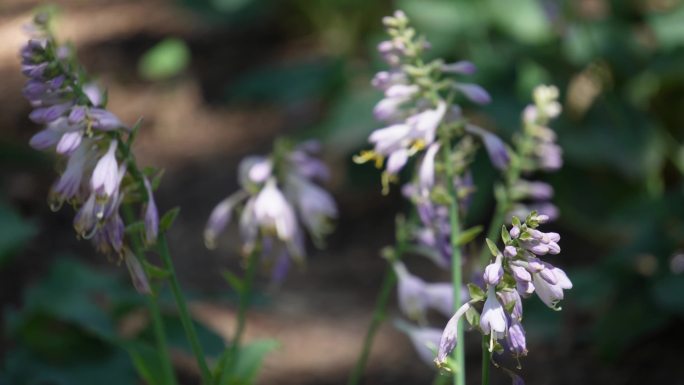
[[426, 174], [137, 271], [496, 149], [151, 216], [494, 272], [515, 339], [474, 93], [411, 294], [274, 214], [105, 179], [493, 320], [461, 67], [449, 336]]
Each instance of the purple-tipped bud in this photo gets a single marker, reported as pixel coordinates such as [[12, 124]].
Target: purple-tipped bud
[[46, 115], [514, 232], [520, 273], [151, 216], [474, 93], [515, 338], [493, 273], [45, 139], [138, 276], [69, 142], [104, 120], [461, 67], [510, 251], [77, 114]]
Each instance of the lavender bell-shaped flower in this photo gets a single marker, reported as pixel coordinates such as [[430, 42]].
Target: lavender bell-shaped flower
[[493, 320], [424, 339], [449, 336], [105, 179]]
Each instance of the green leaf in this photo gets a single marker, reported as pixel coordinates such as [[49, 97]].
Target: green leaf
[[473, 317], [167, 220], [249, 360], [492, 247], [516, 222], [505, 235], [476, 292], [156, 272], [135, 228], [146, 361], [234, 281], [468, 235], [166, 59]]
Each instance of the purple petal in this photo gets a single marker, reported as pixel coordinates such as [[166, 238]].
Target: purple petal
[[474, 93]]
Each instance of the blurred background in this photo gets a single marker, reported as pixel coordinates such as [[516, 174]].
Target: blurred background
[[216, 80]]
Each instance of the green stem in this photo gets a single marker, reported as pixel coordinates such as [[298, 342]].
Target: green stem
[[155, 312], [184, 313], [486, 357], [243, 305], [160, 336], [388, 283], [456, 266]]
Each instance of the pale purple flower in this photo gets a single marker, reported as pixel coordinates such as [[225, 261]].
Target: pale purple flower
[[449, 336], [440, 296], [411, 294], [496, 149], [105, 179], [315, 205], [151, 216], [515, 339], [549, 293], [493, 320], [426, 174], [274, 214]]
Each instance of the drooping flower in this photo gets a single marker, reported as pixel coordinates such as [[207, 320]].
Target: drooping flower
[[279, 200]]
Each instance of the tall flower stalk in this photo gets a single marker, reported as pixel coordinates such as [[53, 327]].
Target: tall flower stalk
[[424, 121], [100, 177], [280, 200]]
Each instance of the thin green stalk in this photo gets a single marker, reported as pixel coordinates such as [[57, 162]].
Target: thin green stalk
[[243, 305], [456, 266], [155, 312], [388, 283], [160, 336], [184, 314], [486, 356]]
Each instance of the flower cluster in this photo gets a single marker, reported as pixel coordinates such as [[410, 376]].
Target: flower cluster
[[279, 195], [536, 150], [413, 106], [94, 178], [515, 273]]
